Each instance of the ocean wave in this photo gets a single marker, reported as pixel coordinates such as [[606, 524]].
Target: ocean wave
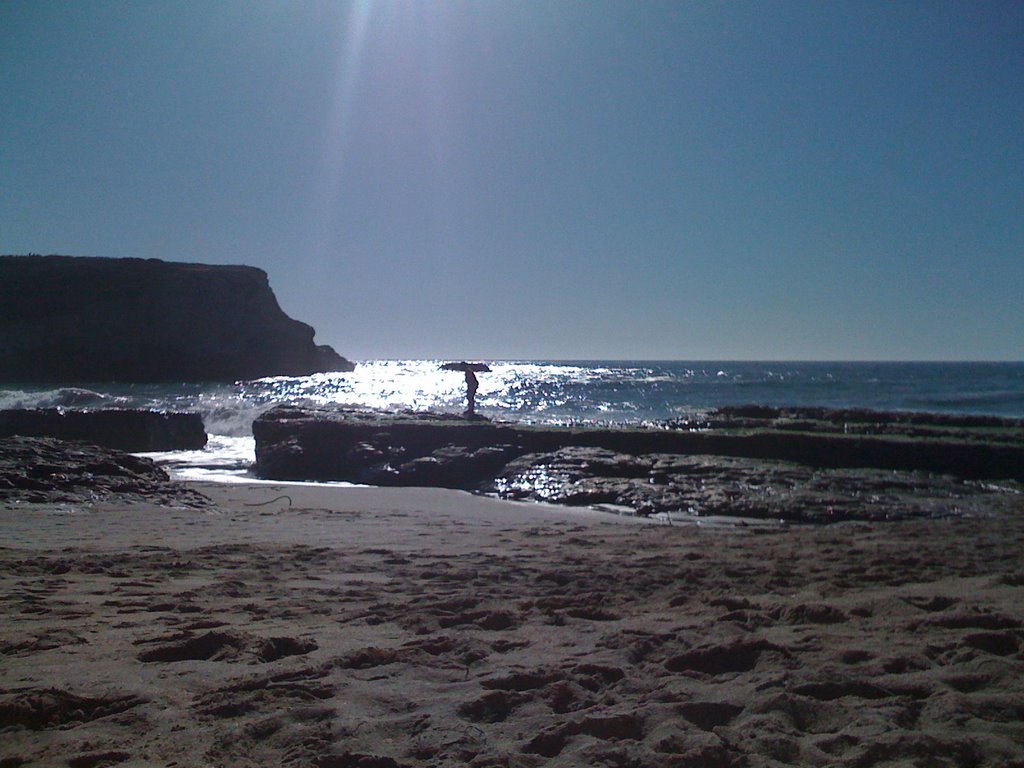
[[63, 397]]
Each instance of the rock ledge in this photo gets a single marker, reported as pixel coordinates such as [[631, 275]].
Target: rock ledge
[[797, 465], [126, 430]]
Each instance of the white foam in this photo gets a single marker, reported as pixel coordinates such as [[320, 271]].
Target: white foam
[[222, 453], [63, 397], [245, 477]]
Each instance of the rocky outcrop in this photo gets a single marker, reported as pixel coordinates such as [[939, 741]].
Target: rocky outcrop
[[682, 486], [393, 448], [822, 473], [370, 446], [46, 471], [860, 421], [66, 319], [126, 430]]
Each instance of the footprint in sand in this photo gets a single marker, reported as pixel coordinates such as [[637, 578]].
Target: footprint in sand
[[738, 656], [222, 646], [492, 707], [53, 708], [616, 727], [98, 759]]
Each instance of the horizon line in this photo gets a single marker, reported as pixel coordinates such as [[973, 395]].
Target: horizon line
[[829, 361]]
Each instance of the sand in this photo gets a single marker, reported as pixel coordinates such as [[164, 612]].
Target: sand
[[402, 627]]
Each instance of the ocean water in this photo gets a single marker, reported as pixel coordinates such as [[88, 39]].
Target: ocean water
[[591, 392]]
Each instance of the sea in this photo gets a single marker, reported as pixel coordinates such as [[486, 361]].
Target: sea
[[596, 392]]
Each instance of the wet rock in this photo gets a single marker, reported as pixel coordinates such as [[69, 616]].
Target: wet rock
[[454, 466], [809, 415], [402, 448], [126, 430], [703, 486], [818, 476], [46, 470], [293, 443]]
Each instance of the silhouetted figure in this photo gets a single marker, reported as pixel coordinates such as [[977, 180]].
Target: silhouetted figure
[[470, 369], [471, 387]]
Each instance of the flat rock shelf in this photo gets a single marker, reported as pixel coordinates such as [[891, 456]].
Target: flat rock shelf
[[803, 465]]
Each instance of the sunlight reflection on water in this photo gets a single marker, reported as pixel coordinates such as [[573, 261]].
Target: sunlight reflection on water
[[551, 392], [590, 393], [584, 392]]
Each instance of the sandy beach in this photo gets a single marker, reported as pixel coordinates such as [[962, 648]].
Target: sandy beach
[[324, 626]]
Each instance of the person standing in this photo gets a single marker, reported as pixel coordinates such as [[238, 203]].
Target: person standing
[[471, 386]]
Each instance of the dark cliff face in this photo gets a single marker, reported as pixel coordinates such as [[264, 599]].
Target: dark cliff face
[[67, 319]]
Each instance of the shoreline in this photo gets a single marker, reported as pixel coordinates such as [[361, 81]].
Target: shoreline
[[406, 627]]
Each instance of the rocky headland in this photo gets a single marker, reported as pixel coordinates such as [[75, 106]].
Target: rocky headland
[[70, 319], [806, 465]]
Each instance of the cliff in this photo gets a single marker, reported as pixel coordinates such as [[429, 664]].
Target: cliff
[[71, 319]]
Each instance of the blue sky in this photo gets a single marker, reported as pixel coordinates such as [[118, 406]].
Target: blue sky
[[659, 180]]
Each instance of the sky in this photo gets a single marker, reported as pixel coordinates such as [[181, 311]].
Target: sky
[[544, 180]]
